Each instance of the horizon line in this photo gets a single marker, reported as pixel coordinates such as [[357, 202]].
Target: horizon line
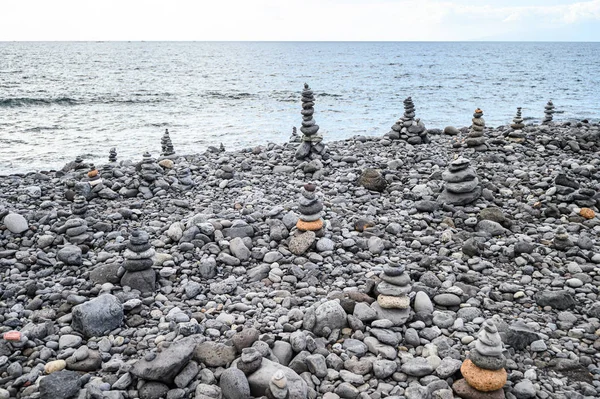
[[294, 41]]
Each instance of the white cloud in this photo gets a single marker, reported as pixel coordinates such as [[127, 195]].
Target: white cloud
[[282, 20]]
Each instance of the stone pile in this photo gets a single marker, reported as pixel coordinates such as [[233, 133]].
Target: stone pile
[[138, 263], [75, 230], [112, 155], [569, 190], [483, 371], [93, 176], [295, 137], [149, 169], [561, 241], [475, 138], [184, 176], [107, 168], [517, 134], [310, 209], [548, 111], [518, 121], [312, 146], [79, 206], [408, 128], [166, 144], [462, 184], [393, 302], [225, 172]]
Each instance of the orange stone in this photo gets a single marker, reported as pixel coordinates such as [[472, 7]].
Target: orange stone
[[93, 173], [587, 213], [12, 336], [309, 226], [482, 379], [478, 111]]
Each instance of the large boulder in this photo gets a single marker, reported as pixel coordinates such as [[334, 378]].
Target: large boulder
[[372, 180], [60, 385], [16, 223], [168, 363], [96, 317], [325, 318], [70, 255]]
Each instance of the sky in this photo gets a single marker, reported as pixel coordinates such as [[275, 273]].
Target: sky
[[300, 20]]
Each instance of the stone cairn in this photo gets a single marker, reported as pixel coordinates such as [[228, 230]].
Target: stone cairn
[[569, 190], [149, 169], [295, 137], [561, 241], [225, 172], [517, 127], [475, 137], [93, 176], [79, 206], [483, 371], [138, 263], [184, 176], [518, 121], [312, 146], [112, 160], [112, 155], [548, 111], [462, 184], [408, 128], [166, 144], [78, 164], [393, 302], [310, 209], [76, 230]]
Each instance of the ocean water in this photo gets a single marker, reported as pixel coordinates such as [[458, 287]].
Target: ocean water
[[60, 100]]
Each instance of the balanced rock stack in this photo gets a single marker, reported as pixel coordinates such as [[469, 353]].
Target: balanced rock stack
[[225, 172], [310, 210], [312, 145], [548, 111], [517, 134], [80, 206], [166, 144], [76, 230], [475, 137], [295, 137], [408, 128], [569, 190], [138, 263], [93, 176], [112, 155], [462, 184], [518, 120], [78, 164], [112, 160], [149, 169], [184, 176], [483, 371], [393, 302]]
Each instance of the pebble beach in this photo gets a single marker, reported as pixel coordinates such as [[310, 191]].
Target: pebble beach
[[425, 264]]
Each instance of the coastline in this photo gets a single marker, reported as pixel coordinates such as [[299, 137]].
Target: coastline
[[227, 277]]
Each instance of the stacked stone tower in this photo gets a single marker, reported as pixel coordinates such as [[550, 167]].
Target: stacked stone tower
[[393, 302], [166, 144], [462, 184], [310, 209], [548, 113], [138, 263], [311, 146], [475, 138], [483, 371], [408, 128]]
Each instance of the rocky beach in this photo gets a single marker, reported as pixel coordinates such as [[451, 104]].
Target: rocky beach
[[425, 264]]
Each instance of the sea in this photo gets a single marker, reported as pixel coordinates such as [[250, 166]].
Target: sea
[[59, 100]]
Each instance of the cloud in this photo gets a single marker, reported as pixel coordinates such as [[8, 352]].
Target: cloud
[[284, 20]]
